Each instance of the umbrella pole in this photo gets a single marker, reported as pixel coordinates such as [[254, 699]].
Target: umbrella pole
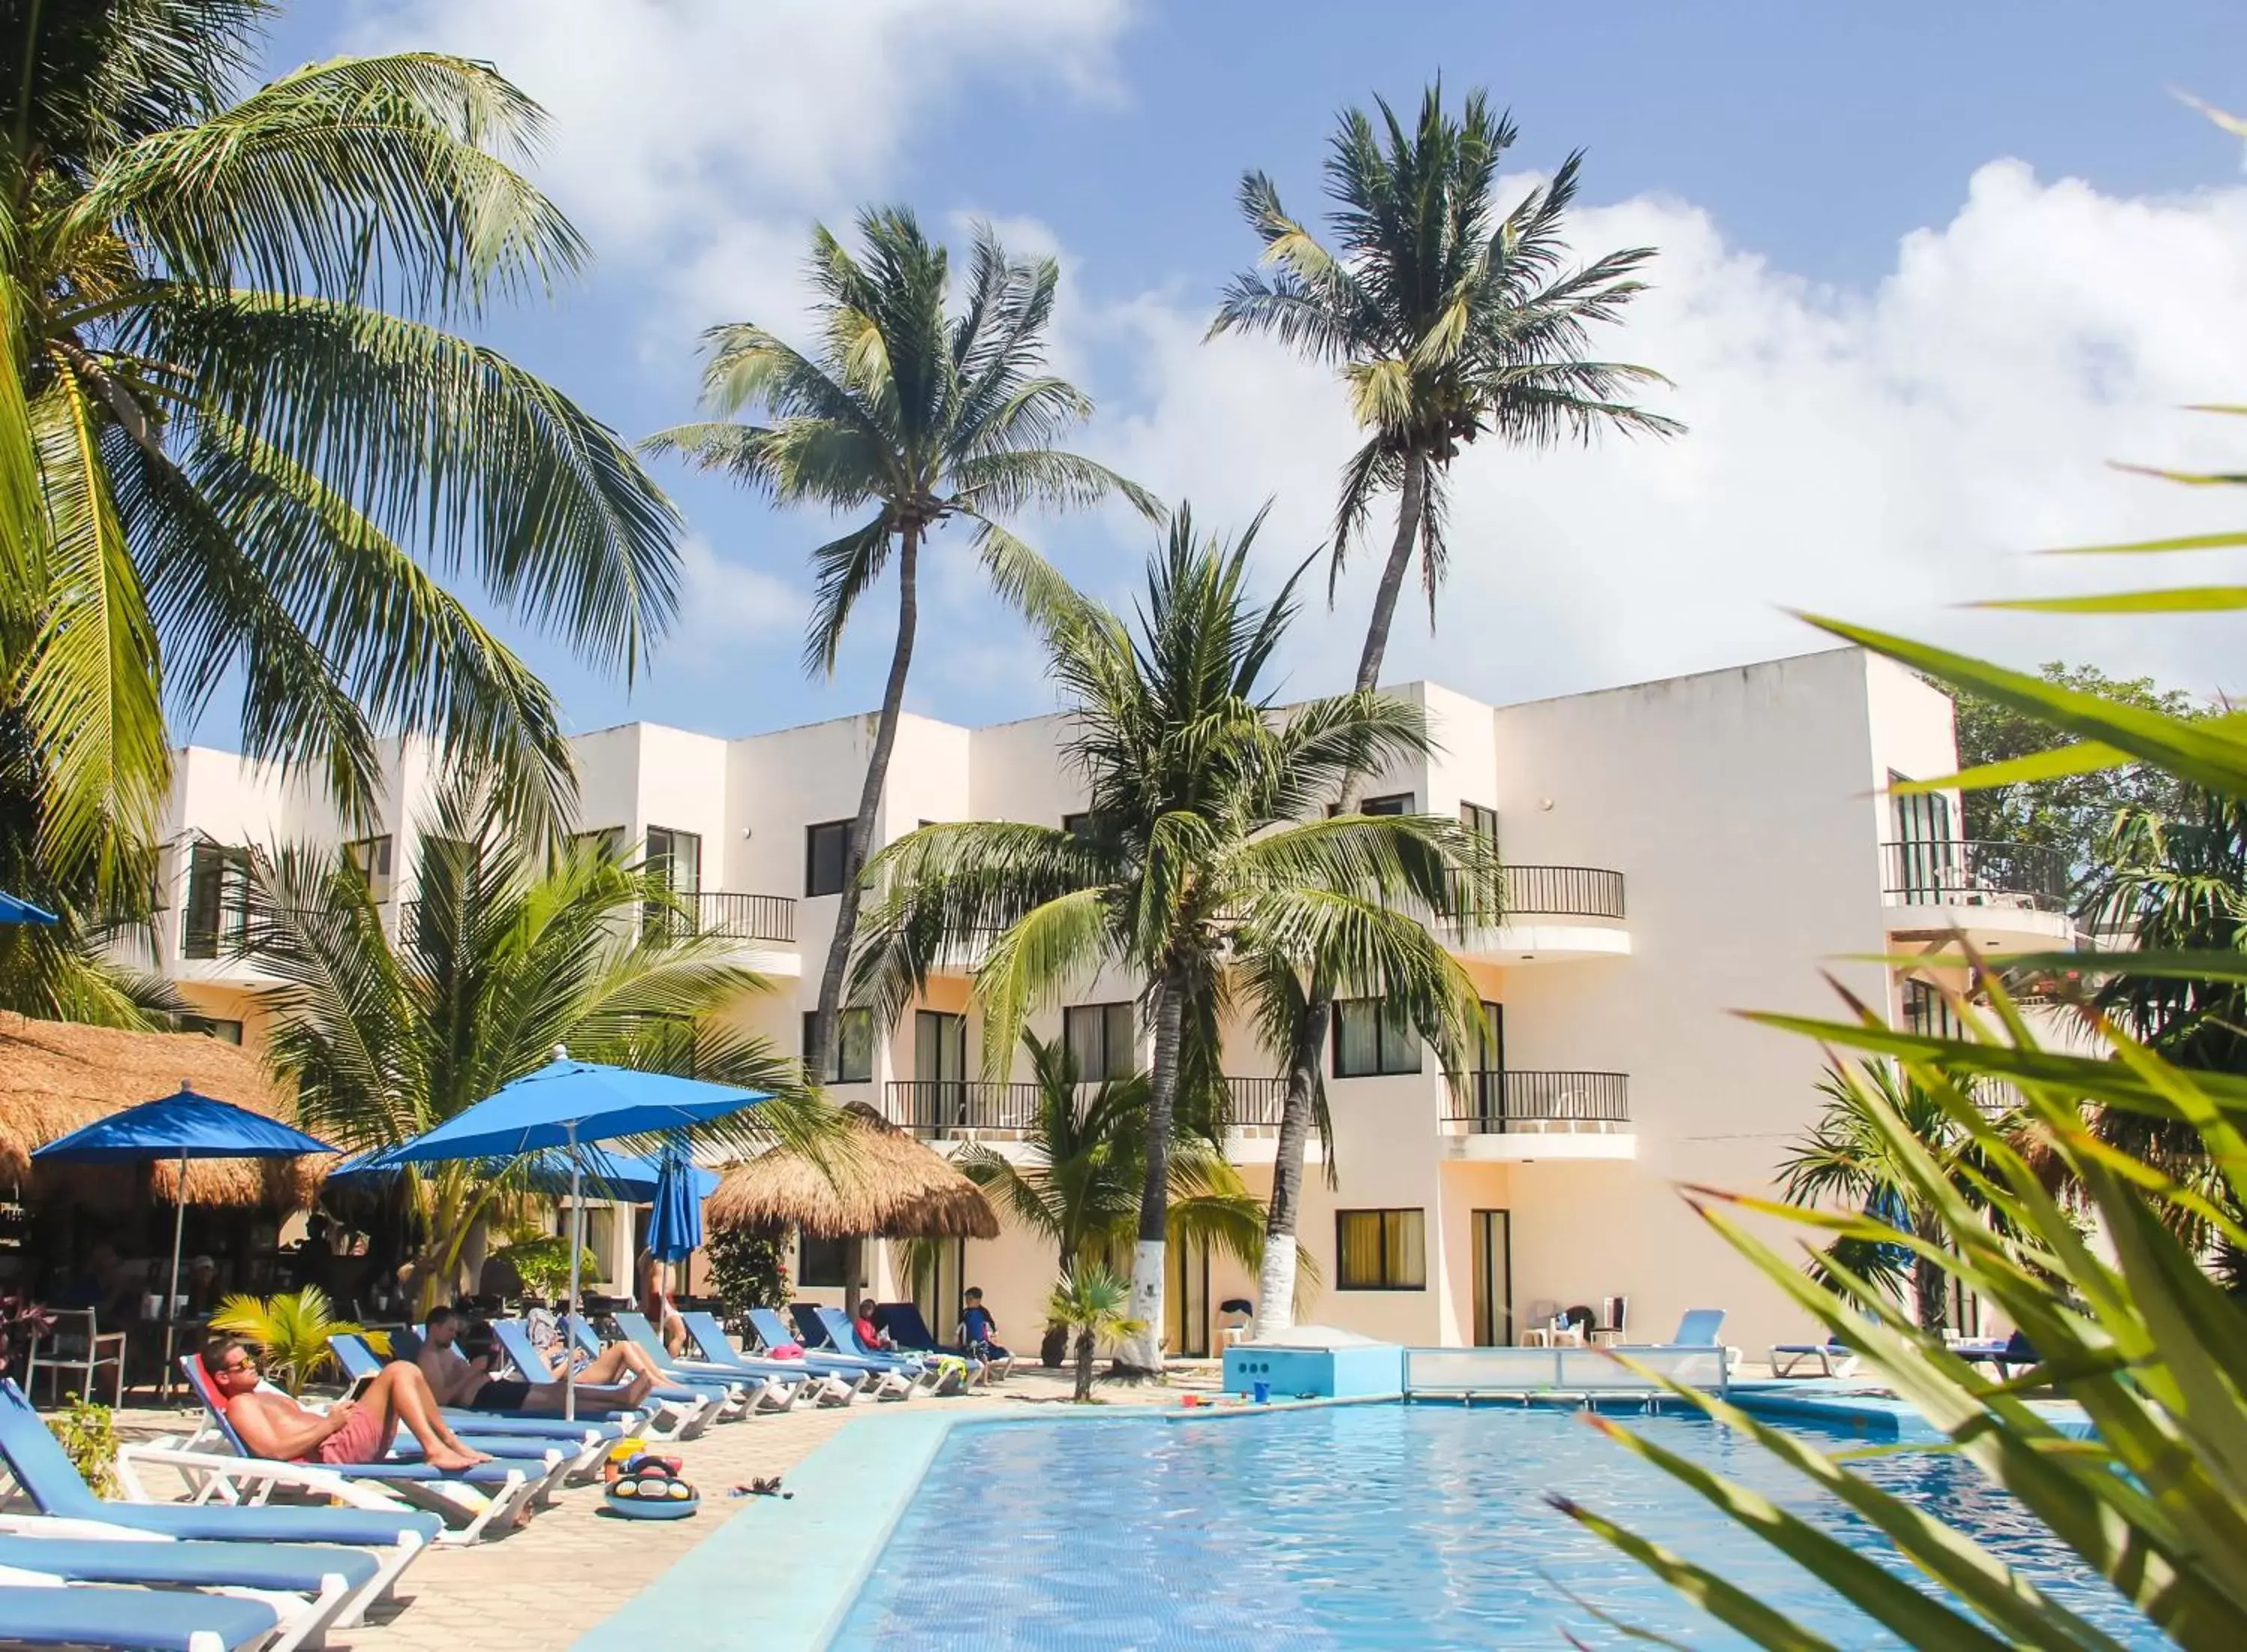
[[171, 1296], [576, 1256]]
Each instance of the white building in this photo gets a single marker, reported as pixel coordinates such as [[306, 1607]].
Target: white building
[[1680, 850]]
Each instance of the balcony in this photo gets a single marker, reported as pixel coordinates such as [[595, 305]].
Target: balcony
[[2000, 895], [1550, 914], [1524, 1114], [965, 1107], [763, 926]]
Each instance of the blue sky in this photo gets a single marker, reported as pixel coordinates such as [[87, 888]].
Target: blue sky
[[1902, 358]]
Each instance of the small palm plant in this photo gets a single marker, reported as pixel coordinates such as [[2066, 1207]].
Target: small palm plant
[[1092, 1303], [289, 1331]]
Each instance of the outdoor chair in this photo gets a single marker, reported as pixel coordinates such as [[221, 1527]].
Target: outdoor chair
[[939, 1374], [728, 1395], [314, 1587], [68, 1507], [590, 1437], [133, 1620], [1834, 1358], [841, 1381], [685, 1413], [777, 1385], [77, 1349], [775, 1333]]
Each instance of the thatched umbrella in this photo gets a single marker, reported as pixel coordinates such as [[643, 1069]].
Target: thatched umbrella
[[57, 1076], [884, 1185]]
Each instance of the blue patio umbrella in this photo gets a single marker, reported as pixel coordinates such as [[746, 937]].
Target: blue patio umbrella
[[617, 1175], [1886, 1206], [184, 1126], [16, 910], [567, 1105]]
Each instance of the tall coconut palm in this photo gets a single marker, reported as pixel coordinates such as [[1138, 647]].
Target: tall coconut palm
[[494, 963], [1197, 841], [1449, 321], [239, 450], [926, 417]]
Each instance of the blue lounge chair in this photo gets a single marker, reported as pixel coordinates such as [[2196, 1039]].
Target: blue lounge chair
[[686, 1412], [843, 1378], [907, 1329], [590, 1438], [133, 1620], [1834, 1358], [729, 1395], [215, 1462], [776, 1384], [935, 1375], [68, 1507], [327, 1579], [774, 1332]]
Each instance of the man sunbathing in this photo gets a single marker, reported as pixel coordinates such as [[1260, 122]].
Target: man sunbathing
[[352, 1431], [457, 1380]]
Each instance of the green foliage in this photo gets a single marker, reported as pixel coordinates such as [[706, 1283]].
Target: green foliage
[[748, 1270], [87, 1430], [289, 1332], [239, 450], [543, 1264], [2070, 814], [1093, 1304]]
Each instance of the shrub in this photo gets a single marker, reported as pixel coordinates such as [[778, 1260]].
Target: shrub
[[747, 1269], [87, 1429]]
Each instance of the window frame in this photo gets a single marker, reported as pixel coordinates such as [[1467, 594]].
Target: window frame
[[228, 899], [1108, 1067], [1387, 803], [811, 839], [1393, 1244], [1077, 821], [1480, 819], [381, 879], [669, 857], [215, 1026], [1382, 1031], [846, 1020]]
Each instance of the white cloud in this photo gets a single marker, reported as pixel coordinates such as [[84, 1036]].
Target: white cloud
[[724, 605], [1880, 455]]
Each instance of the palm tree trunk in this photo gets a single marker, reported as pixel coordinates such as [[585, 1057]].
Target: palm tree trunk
[[1930, 1285], [819, 1059], [1084, 1348], [1150, 1256], [1275, 1293]]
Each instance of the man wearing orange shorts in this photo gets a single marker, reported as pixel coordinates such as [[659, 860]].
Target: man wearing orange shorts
[[352, 1431]]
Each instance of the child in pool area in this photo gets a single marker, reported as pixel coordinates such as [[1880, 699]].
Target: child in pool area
[[979, 1335]]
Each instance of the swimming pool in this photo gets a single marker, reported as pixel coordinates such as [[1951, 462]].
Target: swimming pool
[[1362, 1526]]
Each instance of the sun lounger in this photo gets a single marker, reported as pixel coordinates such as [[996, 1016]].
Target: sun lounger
[[1696, 1328], [775, 1332], [589, 1437], [840, 1379], [216, 1465], [68, 1508], [934, 1374], [777, 1384], [685, 1412], [133, 1620], [1834, 1359], [729, 1395], [326, 1580]]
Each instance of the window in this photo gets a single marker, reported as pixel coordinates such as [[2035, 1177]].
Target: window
[[939, 1047], [1480, 820], [1371, 1038], [1928, 1013], [1078, 824], [372, 856], [1394, 803], [1381, 1250], [1102, 1039], [826, 858], [605, 843], [225, 1032], [218, 898], [827, 1263], [676, 858], [854, 1046]]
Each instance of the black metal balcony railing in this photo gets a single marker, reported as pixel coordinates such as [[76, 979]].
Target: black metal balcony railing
[[1548, 892], [1970, 871], [1495, 1102], [729, 916], [947, 1106]]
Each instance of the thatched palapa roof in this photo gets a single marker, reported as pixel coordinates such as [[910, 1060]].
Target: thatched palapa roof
[[887, 1187], [56, 1076]]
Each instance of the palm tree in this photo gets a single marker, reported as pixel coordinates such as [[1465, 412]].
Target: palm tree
[[922, 415], [495, 964], [1848, 1155], [290, 1331], [1196, 845], [1077, 1182], [1093, 1302], [239, 451]]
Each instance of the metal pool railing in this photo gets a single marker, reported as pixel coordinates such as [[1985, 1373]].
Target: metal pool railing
[[1557, 1372]]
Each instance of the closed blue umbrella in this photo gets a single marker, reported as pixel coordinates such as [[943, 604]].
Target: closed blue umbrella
[[13, 911], [184, 1126], [674, 1227], [1886, 1206], [567, 1103]]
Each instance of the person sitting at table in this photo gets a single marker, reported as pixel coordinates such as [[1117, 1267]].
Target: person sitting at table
[[199, 1285], [278, 1428], [457, 1379]]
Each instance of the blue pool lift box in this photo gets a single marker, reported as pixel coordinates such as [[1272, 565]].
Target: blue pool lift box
[[1356, 1370]]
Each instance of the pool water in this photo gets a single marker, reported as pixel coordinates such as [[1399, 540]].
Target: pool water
[[1374, 1526]]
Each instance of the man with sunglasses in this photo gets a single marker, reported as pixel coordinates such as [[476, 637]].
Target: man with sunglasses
[[356, 1430]]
